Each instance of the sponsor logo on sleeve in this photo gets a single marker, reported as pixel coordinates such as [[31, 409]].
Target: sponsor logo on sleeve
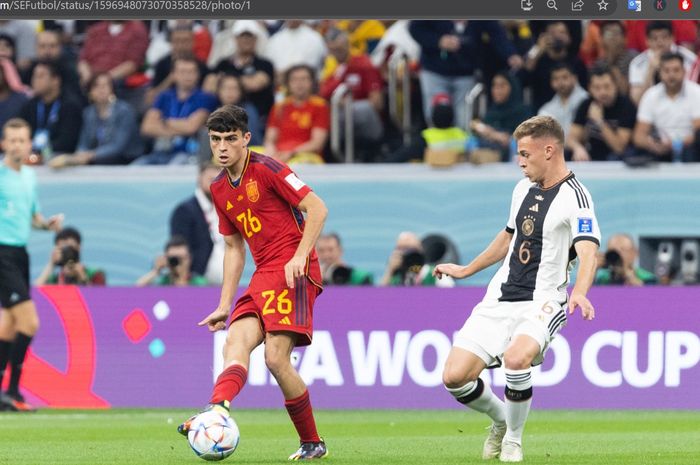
[[295, 182], [585, 225]]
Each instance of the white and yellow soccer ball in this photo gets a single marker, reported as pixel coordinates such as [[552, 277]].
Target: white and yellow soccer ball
[[213, 435]]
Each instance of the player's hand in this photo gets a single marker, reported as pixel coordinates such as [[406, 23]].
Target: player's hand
[[216, 320], [580, 300], [295, 268], [448, 269], [55, 223]]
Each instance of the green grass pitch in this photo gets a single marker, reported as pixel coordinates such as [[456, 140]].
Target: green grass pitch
[[148, 437]]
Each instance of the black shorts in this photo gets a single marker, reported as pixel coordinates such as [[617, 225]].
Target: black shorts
[[14, 276]]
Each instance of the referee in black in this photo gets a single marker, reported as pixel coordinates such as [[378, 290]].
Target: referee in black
[[19, 212]]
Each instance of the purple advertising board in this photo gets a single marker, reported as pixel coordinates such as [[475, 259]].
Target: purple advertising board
[[373, 348]]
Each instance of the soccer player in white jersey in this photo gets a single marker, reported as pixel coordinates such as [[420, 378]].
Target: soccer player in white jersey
[[551, 222]]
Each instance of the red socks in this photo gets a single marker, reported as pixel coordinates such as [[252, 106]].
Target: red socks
[[229, 384], [302, 416]]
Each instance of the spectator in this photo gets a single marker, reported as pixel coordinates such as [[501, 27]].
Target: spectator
[[602, 127], [503, 115], [197, 222], [55, 119], [644, 68], [109, 134], [396, 39], [554, 46], [366, 86], [12, 99], [615, 53], [50, 48], [173, 268], [7, 48], [450, 53], [296, 43], [65, 266], [407, 267], [257, 74], [333, 268], [364, 34], [116, 47], [297, 129], [24, 37], [176, 117], [668, 119], [223, 47], [685, 33], [568, 96], [619, 265], [230, 92], [182, 44]]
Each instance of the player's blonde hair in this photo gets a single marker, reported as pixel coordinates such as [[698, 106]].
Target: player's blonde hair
[[540, 126]]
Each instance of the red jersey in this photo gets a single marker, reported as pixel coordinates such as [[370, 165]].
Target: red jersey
[[295, 121], [358, 73], [262, 206]]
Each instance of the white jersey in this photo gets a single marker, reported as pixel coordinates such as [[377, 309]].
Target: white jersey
[[545, 223]]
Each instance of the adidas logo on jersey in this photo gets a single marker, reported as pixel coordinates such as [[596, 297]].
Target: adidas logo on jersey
[[535, 208]]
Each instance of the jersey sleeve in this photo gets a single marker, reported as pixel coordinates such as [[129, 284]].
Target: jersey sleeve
[[582, 220], [514, 205], [286, 183]]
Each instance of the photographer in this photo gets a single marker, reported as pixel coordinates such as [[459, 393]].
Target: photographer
[[618, 267], [333, 268], [407, 265], [174, 268], [65, 267]]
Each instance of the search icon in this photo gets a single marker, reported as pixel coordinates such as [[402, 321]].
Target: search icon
[[552, 4]]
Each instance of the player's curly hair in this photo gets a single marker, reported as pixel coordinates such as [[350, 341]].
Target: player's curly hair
[[228, 118], [540, 126]]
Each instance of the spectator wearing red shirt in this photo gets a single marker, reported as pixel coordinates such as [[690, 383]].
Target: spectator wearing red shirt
[[358, 72], [298, 125], [114, 47]]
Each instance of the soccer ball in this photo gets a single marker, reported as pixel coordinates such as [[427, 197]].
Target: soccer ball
[[213, 435]]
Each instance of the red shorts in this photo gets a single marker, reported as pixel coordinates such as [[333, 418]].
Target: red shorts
[[278, 307]]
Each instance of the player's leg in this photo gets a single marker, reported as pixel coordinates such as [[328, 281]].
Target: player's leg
[[7, 335], [461, 379], [278, 350], [518, 365], [26, 325]]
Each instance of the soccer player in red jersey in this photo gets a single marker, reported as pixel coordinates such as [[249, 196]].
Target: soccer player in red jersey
[[260, 201]]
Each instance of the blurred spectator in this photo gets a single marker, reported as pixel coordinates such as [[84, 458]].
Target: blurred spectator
[[296, 43], [333, 268], [364, 34], [23, 33], [182, 44], [603, 124], [50, 48], [176, 117], [684, 31], [173, 268], [55, 118], [116, 47], [297, 128], [366, 85], [644, 67], [7, 48], [620, 264], [569, 95], [615, 54], [12, 99], [505, 112], [230, 92], [396, 39], [407, 265], [554, 45], [224, 47], [109, 134], [668, 119], [196, 221], [450, 54], [65, 266], [257, 74]]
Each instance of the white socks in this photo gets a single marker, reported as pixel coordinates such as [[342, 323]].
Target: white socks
[[478, 396], [518, 400]]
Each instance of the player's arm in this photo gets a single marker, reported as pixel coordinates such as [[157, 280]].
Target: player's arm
[[495, 252], [54, 223], [587, 253], [316, 213], [234, 261]]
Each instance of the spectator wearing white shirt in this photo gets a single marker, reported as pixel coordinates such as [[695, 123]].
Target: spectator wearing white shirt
[[295, 44], [569, 95], [668, 119], [645, 66]]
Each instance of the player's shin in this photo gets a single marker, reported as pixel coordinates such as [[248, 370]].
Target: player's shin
[[478, 396], [17, 356], [518, 400], [302, 416], [229, 384]]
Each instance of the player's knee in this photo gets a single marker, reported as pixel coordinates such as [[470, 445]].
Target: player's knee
[[515, 360], [276, 362], [453, 377]]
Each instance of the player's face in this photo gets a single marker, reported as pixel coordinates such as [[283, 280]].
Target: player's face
[[228, 147], [531, 158], [17, 143]]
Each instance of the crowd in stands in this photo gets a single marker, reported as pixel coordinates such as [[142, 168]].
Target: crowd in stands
[[122, 92]]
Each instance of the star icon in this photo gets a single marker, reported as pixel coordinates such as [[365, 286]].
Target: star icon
[[603, 5]]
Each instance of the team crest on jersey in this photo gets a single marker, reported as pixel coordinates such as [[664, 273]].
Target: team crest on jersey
[[251, 190], [528, 226]]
